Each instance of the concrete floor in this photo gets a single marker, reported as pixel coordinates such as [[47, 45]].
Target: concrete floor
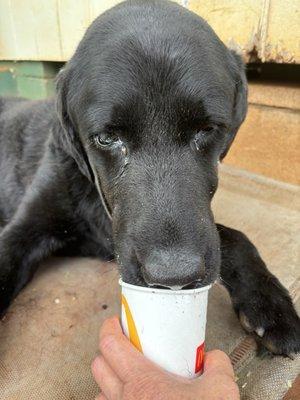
[[49, 336]]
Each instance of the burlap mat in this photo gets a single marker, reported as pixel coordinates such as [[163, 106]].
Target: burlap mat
[[49, 337]]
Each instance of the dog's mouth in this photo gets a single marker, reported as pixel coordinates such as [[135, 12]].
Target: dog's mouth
[[135, 275], [194, 285], [140, 281]]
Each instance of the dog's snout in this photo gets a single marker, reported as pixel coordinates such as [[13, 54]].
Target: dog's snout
[[173, 269]]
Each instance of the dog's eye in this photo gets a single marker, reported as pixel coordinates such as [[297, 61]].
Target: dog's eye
[[201, 137], [105, 139], [205, 129]]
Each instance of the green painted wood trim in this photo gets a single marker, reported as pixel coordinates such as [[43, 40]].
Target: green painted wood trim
[[30, 79]]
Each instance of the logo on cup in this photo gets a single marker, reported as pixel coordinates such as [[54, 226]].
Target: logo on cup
[[199, 358], [132, 331]]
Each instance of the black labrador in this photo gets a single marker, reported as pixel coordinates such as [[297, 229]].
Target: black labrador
[[124, 164]]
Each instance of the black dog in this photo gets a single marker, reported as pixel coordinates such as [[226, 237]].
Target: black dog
[[126, 165]]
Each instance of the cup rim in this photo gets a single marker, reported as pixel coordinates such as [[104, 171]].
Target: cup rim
[[164, 291]]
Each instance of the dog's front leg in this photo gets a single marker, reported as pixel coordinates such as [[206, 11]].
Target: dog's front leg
[[40, 226], [262, 304]]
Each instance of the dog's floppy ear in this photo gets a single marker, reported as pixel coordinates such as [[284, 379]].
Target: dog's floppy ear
[[67, 137], [240, 100]]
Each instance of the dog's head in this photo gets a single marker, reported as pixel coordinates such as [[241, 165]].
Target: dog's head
[[150, 103]]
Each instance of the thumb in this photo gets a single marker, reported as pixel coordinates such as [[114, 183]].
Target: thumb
[[217, 360], [124, 359]]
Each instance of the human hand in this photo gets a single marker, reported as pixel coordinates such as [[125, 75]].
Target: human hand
[[123, 373]]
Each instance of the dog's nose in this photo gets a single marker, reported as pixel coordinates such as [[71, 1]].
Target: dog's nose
[[173, 269]]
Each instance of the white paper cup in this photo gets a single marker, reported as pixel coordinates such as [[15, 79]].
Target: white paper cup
[[167, 326]]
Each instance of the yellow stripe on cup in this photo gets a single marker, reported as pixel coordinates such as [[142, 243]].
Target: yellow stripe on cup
[[133, 335]]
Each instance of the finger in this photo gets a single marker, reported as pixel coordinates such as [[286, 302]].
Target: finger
[[217, 359], [111, 326], [107, 380], [123, 358]]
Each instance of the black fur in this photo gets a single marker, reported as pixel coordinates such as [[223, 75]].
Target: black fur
[[166, 97]]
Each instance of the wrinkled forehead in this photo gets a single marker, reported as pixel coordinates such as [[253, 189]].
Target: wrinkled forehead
[[135, 92]]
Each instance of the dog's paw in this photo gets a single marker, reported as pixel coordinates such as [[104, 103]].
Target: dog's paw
[[272, 318], [280, 337]]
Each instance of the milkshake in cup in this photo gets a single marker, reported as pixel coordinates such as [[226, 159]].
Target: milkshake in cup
[[167, 326]]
